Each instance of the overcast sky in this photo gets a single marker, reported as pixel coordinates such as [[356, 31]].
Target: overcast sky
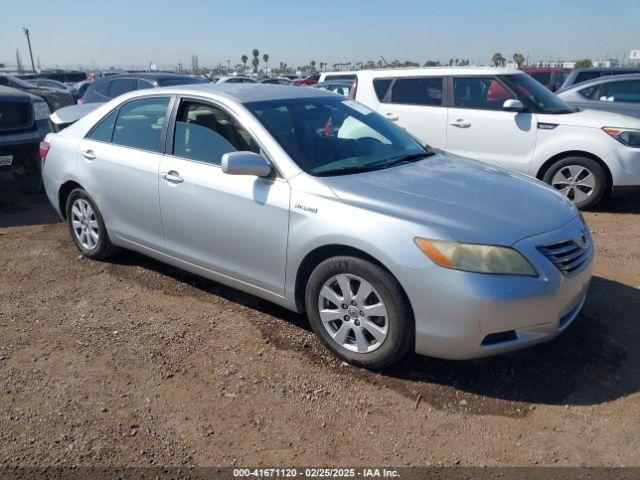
[[137, 32]]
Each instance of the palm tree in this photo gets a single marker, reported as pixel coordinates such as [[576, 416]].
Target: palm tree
[[244, 59], [255, 60], [519, 59], [265, 58], [313, 65], [497, 59]]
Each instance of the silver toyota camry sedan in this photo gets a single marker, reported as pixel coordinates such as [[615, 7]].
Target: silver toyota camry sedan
[[316, 203]]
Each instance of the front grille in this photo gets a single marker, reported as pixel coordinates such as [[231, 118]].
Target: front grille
[[15, 115], [567, 255]]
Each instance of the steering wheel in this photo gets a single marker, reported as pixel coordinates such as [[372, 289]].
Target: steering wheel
[[346, 142]]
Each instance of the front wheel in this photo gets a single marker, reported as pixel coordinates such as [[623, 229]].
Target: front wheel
[[359, 311], [582, 180]]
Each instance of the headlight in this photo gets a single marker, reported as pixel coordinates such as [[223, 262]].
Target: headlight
[[41, 110], [630, 138], [471, 257]]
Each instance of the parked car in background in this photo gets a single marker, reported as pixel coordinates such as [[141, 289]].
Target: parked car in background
[[341, 87], [48, 83], [579, 75], [552, 78], [23, 124], [613, 93], [506, 118], [55, 98], [276, 81], [66, 116], [307, 81], [78, 90], [66, 77], [236, 79], [111, 86], [331, 76], [317, 203]]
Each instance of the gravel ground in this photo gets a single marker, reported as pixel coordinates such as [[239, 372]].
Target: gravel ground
[[133, 363]]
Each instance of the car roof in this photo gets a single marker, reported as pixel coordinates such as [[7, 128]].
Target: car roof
[[146, 75], [435, 71], [603, 79], [247, 92]]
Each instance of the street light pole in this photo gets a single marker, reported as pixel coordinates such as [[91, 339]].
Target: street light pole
[[26, 32]]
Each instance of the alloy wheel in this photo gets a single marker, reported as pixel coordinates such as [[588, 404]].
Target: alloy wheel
[[85, 224], [575, 182], [353, 313]]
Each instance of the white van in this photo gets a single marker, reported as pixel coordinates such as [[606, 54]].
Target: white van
[[506, 118]]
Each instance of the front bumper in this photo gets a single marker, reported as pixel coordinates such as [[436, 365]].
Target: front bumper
[[624, 165], [22, 145], [456, 311]]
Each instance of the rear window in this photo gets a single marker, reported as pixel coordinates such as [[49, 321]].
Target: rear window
[[584, 76], [417, 91], [120, 86], [543, 77], [169, 82]]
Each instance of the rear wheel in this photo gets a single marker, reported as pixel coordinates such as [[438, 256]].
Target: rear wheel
[[582, 180], [87, 227], [359, 311]]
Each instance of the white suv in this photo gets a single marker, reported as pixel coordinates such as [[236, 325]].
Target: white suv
[[506, 118]]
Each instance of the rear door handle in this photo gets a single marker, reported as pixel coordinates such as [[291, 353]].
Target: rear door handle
[[172, 176], [88, 154], [392, 116], [460, 123]]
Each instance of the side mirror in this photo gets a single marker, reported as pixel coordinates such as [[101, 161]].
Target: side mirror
[[513, 105], [245, 163]]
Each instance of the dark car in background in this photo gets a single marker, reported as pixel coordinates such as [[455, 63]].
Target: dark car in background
[[106, 88], [552, 78], [66, 77], [276, 81], [78, 90], [579, 75], [613, 93], [55, 98], [24, 122]]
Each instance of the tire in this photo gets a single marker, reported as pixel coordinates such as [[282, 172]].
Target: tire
[[84, 222], [586, 180], [387, 338]]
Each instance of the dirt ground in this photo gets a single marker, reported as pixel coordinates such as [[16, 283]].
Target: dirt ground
[[135, 363]]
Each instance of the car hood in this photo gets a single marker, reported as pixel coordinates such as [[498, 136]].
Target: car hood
[[591, 118], [461, 199]]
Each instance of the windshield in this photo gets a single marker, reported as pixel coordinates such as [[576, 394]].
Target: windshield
[[334, 136], [535, 95], [18, 82], [170, 82]]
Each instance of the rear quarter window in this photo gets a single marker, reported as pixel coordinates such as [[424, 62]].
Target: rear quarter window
[[381, 86]]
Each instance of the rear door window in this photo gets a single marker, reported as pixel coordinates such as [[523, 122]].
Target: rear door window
[[417, 91], [104, 130], [139, 123], [381, 86]]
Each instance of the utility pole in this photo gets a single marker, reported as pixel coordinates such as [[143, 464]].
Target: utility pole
[[26, 32]]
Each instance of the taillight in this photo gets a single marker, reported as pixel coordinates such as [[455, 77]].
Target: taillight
[[354, 88], [44, 149], [80, 101]]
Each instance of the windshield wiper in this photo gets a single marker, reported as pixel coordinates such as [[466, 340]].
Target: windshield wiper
[[409, 158], [346, 171]]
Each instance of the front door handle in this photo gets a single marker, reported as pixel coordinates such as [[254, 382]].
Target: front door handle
[[392, 116], [460, 123], [172, 176], [88, 154]]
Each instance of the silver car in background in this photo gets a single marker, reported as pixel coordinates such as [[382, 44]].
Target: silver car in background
[[617, 93], [316, 203]]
